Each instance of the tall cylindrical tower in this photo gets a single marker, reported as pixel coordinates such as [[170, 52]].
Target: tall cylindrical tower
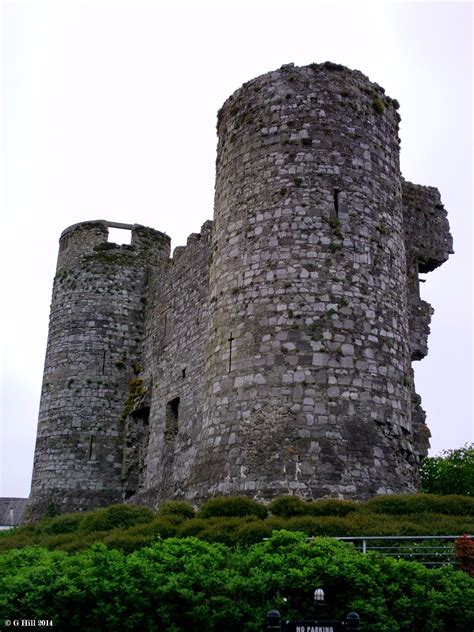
[[92, 367], [307, 379]]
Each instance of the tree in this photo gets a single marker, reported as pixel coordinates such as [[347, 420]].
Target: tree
[[452, 472]]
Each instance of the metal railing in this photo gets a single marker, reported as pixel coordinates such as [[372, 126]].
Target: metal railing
[[430, 550]]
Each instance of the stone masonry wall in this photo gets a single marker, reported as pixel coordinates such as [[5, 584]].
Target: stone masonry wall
[[176, 339]]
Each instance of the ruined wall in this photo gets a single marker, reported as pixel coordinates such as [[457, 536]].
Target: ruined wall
[[94, 349], [428, 245], [272, 354], [176, 337], [308, 285]]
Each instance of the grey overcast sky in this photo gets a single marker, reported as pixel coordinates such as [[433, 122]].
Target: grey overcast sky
[[109, 111]]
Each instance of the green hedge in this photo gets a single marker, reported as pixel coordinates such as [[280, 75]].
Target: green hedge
[[398, 505], [190, 584], [232, 506], [241, 521]]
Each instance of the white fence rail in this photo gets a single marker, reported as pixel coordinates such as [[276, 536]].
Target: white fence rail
[[430, 550]]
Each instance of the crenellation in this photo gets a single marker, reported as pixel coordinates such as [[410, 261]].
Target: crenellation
[[273, 353]]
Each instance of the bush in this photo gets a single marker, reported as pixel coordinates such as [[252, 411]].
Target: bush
[[192, 527], [421, 503], [384, 515], [450, 473], [252, 532], [288, 506], [180, 584], [160, 527], [115, 516], [224, 530], [331, 507], [176, 507], [66, 523], [124, 541], [312, 526], [232, 506]]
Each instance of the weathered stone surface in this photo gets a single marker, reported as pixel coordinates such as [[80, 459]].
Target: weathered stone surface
[[272, 354]]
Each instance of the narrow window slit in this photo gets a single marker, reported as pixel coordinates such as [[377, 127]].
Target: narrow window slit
[[230, 339], [91, 445], [336, 203]]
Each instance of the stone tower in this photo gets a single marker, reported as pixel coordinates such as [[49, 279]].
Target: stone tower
[[274, 355], [312, 314], [94, 350]]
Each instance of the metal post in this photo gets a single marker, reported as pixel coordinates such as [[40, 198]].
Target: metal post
[[364, 546], [273, 621], [320, 604], [352, 621]]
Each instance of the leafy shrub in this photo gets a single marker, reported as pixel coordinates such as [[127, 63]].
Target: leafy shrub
[[454, 505], [251, 532], [176, 507], [324, 525], [224, 530], [384, 515], [452, 472], [419, 503], [331, 507], [192, 527], [123, 540], [66, 523], [180, 584], [160, 527], [232, 506], [115, 516], [288, 506]]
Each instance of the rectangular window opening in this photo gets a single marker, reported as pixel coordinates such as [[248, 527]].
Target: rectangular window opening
[[172, 418], [120, 236], [142, 415]]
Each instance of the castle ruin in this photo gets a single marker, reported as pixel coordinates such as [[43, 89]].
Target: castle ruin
[[273, 353]]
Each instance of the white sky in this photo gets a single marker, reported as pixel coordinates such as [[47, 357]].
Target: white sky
[[109, 111]]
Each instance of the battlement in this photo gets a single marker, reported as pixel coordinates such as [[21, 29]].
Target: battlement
[[273, 353], [87, 238]]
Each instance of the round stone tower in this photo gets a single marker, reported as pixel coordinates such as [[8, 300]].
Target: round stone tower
[[308, 370], [92, 367]]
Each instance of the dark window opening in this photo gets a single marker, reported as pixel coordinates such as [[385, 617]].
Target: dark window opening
[[142, 414], [103, 362], [172, 418], [336, 203], [91, 446], [183, 372], [230, 340]]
